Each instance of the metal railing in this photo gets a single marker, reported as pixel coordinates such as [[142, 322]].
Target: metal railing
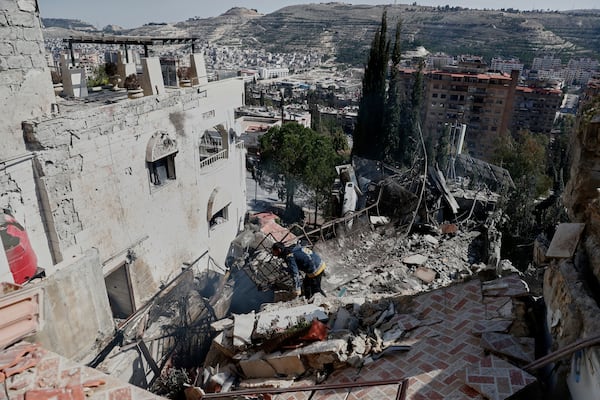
[[214, 158], [240, 144]]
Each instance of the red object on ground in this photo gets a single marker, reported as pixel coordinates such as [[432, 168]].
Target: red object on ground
[[317, 331], [22, 260]]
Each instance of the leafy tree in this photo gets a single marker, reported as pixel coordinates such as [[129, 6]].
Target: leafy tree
[[525, 156], [369, 125], [295, 156]]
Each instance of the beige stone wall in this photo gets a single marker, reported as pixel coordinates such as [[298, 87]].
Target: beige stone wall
[[93, 170], [77, 315], [25, 84], [25, 92]]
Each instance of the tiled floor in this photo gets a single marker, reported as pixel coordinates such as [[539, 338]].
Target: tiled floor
[[55, 377], [442, 352], [444, 327]]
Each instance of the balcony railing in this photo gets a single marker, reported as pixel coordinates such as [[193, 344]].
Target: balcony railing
[[214, 158], [240, 144]]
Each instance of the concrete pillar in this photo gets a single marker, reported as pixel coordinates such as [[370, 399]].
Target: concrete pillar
[[198, 67], [152, 79], [124, 68], [74, 80]]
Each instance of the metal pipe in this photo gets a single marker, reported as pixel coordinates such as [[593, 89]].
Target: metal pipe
[[565, 351], [331, 386]]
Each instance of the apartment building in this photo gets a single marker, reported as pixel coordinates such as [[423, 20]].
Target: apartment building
[[483, 101], [535, 109]]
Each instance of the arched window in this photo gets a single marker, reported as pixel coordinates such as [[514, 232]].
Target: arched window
[[160, 158]]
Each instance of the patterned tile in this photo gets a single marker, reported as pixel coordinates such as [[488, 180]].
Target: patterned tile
[[491, 325], [504, 344], [496, 379]]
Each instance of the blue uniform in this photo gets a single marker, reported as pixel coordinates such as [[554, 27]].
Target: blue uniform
[[304, 259]]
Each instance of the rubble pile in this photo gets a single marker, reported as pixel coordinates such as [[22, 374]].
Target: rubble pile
[[456, 331]]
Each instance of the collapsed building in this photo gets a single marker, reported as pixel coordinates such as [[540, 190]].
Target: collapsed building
[[130, 206]]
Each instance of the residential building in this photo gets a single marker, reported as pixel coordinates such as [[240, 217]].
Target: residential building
[[118, 196], [535, 109], [270, 73], [482, 101], [546, 63], [506, 65]]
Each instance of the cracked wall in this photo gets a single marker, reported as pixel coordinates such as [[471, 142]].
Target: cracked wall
[[25, 92], [92, 166]]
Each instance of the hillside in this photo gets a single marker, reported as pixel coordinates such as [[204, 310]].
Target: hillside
[[65, 23], [346, 30]]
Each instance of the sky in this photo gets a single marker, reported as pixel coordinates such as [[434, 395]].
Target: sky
[[133, 13]]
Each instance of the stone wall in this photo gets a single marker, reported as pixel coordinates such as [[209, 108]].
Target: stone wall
[[571, 304], [92, 167], [25, 92], [25, 85], [76, 311]]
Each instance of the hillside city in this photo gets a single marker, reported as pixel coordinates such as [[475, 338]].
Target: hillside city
[[325, 201]]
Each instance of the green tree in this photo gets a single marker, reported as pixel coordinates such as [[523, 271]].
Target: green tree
[[370, 120], [393, 132], [524, 156], [293, 155], [99, 78]]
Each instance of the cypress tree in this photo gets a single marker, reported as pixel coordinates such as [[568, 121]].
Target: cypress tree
[[393, 132], [369, 138]]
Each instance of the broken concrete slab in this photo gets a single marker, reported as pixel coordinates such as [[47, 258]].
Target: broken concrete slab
[[565, 240], [415, 259], [342, 319], [221, 324], [286, 364], [379, 221], [425, 274], [257, 367], [511, 285], [317, 355], [431, 240], [224, 342], [242, 329], [269, 322], [496, 379], [507, 345]]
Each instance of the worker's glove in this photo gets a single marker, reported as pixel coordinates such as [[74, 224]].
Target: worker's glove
[[297, 293]]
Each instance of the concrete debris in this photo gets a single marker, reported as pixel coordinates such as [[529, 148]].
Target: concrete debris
[[242, 329], [378, 221], [415, 259], [401, 329], [221, 324], [269, 322], [425, 274]]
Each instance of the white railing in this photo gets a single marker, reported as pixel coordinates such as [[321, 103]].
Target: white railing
[[214, 158], [240, 144]]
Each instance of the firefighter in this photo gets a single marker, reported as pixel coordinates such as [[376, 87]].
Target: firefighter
[[299, 258]]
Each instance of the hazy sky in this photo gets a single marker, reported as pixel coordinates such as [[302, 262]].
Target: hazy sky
[[132, 13]]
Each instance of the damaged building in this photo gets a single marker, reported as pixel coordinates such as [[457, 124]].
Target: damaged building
[[121, 199], [129, 210]]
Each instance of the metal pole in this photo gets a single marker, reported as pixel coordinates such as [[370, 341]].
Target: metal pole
[[331, 386], [72, 53]]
